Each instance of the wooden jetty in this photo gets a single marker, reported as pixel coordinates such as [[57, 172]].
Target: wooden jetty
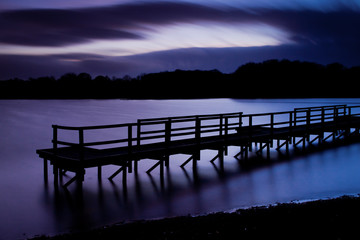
[[159, 138]]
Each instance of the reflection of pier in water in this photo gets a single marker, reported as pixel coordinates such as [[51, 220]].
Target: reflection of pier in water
[[159, 138]]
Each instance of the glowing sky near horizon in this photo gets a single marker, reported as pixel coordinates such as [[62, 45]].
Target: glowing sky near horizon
[[123, 28]]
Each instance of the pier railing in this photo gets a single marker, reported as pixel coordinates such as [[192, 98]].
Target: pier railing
[[156, 130], [166, 130]]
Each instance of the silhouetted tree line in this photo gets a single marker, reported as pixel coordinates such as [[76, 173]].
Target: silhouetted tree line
[[269, 79]]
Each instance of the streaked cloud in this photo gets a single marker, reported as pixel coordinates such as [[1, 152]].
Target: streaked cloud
[[115, 30]]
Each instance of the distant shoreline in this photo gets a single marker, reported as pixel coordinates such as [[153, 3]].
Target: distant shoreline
[[320, 219], [267, 80]]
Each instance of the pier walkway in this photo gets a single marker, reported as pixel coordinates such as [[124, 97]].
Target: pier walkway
[[159, 138]]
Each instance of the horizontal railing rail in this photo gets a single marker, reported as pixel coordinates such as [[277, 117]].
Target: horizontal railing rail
[[166, 130], [197, 125]]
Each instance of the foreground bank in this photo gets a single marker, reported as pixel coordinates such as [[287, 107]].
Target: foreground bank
[[323, 219]]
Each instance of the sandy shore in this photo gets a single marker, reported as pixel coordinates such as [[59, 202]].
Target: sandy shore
[[323, 219]]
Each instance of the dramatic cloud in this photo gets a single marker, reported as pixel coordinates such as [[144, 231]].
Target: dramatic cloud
[[49, 27], [56, 28], [116, 39]]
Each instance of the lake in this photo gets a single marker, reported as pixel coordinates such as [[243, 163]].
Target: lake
[[30, 207]]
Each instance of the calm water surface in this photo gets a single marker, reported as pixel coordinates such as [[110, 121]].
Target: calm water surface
[[29, 207]]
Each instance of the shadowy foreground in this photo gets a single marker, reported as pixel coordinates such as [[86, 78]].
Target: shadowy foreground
[[323, 219]]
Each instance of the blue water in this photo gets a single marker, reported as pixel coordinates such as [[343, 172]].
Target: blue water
[[30, 207]]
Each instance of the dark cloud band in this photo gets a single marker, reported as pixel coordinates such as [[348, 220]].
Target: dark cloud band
[[49, 27]]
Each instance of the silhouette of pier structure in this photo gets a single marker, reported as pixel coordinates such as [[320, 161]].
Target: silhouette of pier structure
[[159, 138]]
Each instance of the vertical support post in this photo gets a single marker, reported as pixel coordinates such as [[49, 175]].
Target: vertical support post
[[344, 110], [130, 139], [80, 177], [161, 169], [287, 145], [290, 125], [124, 177], [168, 131], [271, 129], [81, 143], [55, 168], [321, 135], [295, 119], [308, 117], [99, 172], [336, 122], [45, 170], [136, 166], [226, 126], [56, 175], [226, 134], [250, 133], [197, 129], [194, 161], [240, 125], [197, 137], [138, 132], [138, 142], [221, 125], [167, 140], [308, 122], [80, 173], [221, 159], [304, 142], [348, 119], [54, 137], [240, 119], [247, 151], [336, 113]]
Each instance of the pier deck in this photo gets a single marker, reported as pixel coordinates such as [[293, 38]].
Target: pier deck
[[159, 138]]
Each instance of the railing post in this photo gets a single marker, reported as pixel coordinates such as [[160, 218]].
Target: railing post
[[271, 129], [308, 117], [336, 112], [197, 137], [240, 119], [138, 132], [344, 110], [55, 169], [290, 124], [81, 143], [221, 125], [138, 139], [168, 131], [167, 142], [226, 126], [308, 122], [130, 138], [250, 132], [197, 129], [55, 137]]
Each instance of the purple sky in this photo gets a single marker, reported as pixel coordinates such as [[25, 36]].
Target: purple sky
[[118, 37]]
